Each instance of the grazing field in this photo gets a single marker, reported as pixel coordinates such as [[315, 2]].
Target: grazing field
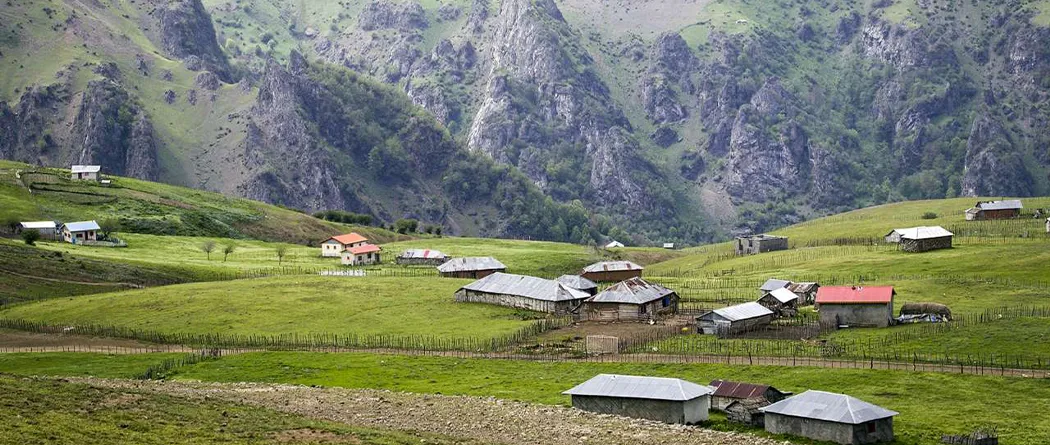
[[930, 404], [304, 305], [80, 364], [48, 411]]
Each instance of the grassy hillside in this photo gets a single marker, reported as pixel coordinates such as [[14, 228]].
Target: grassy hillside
[[28, 193]]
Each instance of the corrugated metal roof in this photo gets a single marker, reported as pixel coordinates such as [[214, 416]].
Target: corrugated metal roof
[[783, 295], [737, 390], [86, 168], [614, 245], [855, 294], [81, 226], [916, 233], [774, 283], [577, 282], [743, 311], [612, 266], [38, 225], [632, 291], [801, 287], [830, 407], [471, 264], [423, 254], [1008, 204], [762, 237], [638, 387], [366, 248], [526, 286]]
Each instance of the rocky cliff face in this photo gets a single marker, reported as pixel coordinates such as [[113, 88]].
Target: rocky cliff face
[[993, 165], [186, 32]]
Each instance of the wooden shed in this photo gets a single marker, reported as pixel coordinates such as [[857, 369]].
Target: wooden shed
[[856, 306], [782, 302], [631, 300], [661, 399], [727, 392], [921, 239], [422, 257], [807, 292], [984, 210], [611, 271], [838, 418], [471, 267], [750, 245], [734, 319], [46, 229], [579, 283], [771, 285], [523, 292]]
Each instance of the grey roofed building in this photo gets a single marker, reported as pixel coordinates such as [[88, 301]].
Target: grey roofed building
[[526, 286], [734, 319], [783, 295], [82, 226], [85, 169], [829, 416], [632, 291], [918, 233], [612, 266], [422, 254], [611, 271], [578, 282], [654, 398], [1008, 204], [743, 311], [638, 387], [773, 283], [471, 267]]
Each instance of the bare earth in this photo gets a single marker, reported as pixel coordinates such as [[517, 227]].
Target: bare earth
[[484, 420]]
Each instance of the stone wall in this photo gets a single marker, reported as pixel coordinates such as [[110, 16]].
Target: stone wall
[[690, 412], [878, 315]]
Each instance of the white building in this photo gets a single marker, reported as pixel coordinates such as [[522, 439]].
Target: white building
[[333, 247], [47, 229], [85, 172], [78, 232], [362, 255]]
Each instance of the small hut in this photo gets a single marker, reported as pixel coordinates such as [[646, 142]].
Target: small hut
[[654, 398], [85, 172], [523, 292], [771, 285], [633, 299], [921, 239], [750, 245], [614, 245], [734, 319], [807, 292], [782, 302], [728, 392], [471, 267], [748, 412], [862, 306], [611, 271], [422, 257], [47, 229], [838, 418], [984, 210], [579, 283]]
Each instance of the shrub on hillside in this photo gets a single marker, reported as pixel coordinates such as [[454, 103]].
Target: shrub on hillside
[[30, 236], [929, 215]]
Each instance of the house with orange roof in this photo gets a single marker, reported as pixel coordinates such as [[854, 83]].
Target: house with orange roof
[[362, 255], [333, 247]]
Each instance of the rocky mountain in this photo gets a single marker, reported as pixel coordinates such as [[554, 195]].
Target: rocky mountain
[[675, 119]]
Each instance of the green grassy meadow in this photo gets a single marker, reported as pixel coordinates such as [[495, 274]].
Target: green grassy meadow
[[79, 364], [301, 304]]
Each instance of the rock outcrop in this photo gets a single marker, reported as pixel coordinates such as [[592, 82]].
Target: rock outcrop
[[383, 14], [186, 30], [993, 165]]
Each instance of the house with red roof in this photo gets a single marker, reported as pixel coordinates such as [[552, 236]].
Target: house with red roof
[[362, 255], [856, 306], [333, 247]]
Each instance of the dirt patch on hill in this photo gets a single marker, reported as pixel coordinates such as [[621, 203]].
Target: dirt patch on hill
[[476, 419], [307, 435]]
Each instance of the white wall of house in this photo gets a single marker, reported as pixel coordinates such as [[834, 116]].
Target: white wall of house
[[332, 249], [79, 237]]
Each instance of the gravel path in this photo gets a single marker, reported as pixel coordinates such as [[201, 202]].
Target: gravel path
[[486, 420]]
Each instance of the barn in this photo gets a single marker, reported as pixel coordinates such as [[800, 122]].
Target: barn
[[85, 172], [579, 283], [363, 255], [782, 302], [858, 306], [633, 299], [471, 267], [421, 257], [734, 319], [611, 271], [47, 229], [78, 232], [728, 392], [838, 418], [523, 292], [1006, 209], [921, 239], [654, 398], [333, 247], [750, 245]]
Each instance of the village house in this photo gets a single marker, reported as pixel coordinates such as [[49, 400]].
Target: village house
[[81, 231], [611, 271], [85, 172], [363, 255], [748, 412], [750, 245], [47, 229], [421, 257], [838, 418], [471, 267], [614, 245], [863, 306], [734, 319], [333, 247], [771, 285], [669, 246], [654, 398], [807, 292], [579, 283], [994, 210], [523, 292], [631, 300], [782, 302], [921, 239], [726, 393]]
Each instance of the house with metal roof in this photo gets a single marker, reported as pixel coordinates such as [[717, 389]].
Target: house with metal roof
[[85, 172], [856, 306], [333, 247], [614, 245], [579, 283], [523, 292], [631, 300], [750, 245], [727, 392], [782, 302], [772, 284], [46, 229], [471, 267], [838, 418], [422, 257], [921, 239], [806, 291], [734, 319], [661, 399], [81, 231], [362, 255], [611, 271], [1006, 209]]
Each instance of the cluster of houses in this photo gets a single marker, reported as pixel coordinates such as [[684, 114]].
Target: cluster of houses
[[631, 298], [816, 415], [71, 232]]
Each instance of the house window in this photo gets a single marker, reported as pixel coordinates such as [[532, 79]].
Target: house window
[[643, 309], [667, 301], [871, 428]]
